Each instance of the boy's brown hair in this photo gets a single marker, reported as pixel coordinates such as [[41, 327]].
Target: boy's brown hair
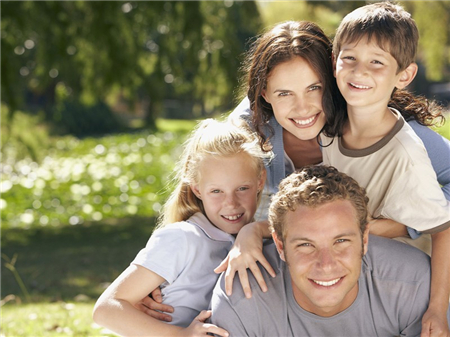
[[393, 29]]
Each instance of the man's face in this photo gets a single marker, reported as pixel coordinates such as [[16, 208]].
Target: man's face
[[323, 249]]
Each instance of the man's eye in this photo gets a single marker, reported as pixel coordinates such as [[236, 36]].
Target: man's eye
[[282, 94]]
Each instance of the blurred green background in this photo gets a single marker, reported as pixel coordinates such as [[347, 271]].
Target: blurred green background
[[96, 99]]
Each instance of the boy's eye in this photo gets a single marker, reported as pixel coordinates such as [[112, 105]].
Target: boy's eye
[[348, 58], [377, 62]]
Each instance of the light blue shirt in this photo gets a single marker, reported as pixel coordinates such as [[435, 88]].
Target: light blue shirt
[[185, 255]]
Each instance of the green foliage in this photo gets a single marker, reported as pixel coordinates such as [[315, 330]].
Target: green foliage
[[147, 50], [89, 180], [50, 319], [74, 118]]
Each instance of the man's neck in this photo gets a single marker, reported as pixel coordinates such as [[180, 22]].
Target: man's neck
[[364, 127]]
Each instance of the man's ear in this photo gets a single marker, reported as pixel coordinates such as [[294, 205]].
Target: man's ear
[[279, 245], [366, 239], [195, 190], [407, 76]]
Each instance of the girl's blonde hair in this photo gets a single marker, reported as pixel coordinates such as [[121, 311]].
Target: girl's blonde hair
[[210, 138]]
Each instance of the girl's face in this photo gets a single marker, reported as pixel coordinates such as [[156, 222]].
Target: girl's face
[[228, 188], [295, 92]]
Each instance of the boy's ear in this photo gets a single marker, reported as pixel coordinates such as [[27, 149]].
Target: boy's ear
[[279, 245], [333, 58], [407, 76], [195, 190]]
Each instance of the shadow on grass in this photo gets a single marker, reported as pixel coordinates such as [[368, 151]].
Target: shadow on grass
[[73, 262]]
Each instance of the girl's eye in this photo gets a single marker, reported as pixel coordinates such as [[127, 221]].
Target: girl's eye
[[215, 191], [243, 188]]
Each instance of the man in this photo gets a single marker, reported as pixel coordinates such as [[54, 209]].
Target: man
[[330, 281]]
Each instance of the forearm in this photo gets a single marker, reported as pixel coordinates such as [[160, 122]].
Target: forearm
[[440, 272], [387, 228], [124, 319]]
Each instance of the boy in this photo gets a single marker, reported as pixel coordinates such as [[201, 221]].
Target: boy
[[374, 51]]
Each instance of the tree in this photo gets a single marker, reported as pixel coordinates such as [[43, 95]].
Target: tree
[[88, 51]]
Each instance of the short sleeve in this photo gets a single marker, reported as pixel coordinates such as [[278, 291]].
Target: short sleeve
[[417, 201], [166, 253]]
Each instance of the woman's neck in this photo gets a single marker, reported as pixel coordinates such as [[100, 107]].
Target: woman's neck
[[302, 152]]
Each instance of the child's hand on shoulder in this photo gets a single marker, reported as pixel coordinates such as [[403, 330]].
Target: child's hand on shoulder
[[198, 327]]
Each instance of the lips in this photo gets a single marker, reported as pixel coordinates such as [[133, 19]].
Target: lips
[[305, 122], [358, 86], [327, 283], [233, 217]]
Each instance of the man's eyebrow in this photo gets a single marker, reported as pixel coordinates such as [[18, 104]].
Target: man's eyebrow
[[341, 235]]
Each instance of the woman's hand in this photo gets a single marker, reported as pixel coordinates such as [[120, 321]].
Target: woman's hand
[[247, 250], [152, 305], [198, 327]]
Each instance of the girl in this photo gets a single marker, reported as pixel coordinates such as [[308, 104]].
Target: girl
[[219, 180]]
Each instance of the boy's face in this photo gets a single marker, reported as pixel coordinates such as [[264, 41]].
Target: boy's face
[[366, 74], [323, 249]]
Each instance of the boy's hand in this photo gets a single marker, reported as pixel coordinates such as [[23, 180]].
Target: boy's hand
[[198, 327], [434, 325], [152, 305]]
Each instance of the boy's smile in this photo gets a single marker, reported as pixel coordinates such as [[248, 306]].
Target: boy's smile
[[366, 75]]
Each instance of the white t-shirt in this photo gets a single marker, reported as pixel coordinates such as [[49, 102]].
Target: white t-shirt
[[185, 255], [398, 177]]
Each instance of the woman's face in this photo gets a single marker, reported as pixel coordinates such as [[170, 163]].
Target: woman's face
[[295, 92]]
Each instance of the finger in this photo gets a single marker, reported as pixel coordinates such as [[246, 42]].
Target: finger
[[155, 314], [243, 277], [156, 295], [229, 276], [258, 276], [425, 330], [203, 315], [263, 261], [151, 304], [213, 329], [222, 266]]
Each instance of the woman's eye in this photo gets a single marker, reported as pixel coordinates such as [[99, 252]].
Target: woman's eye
[[315, 87], [282, 94]]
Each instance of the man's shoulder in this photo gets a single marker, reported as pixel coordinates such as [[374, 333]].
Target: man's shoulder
[[396, 259]]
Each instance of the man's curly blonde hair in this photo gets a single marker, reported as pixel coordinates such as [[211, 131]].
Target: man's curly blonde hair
[[314, 186]]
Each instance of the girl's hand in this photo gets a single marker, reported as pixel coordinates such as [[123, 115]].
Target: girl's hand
[[434, 325], [152, 305], [198, 327], [247, 250]]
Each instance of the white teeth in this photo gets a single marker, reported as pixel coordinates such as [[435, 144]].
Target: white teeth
[[327, 284], [233, 217], [304, 121], [359, 86]]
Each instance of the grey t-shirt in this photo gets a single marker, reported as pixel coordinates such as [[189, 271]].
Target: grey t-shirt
[[393, 296]]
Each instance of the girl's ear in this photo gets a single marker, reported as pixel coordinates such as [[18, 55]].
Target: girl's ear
[[195, 190], [262, 180], [407, 75]]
